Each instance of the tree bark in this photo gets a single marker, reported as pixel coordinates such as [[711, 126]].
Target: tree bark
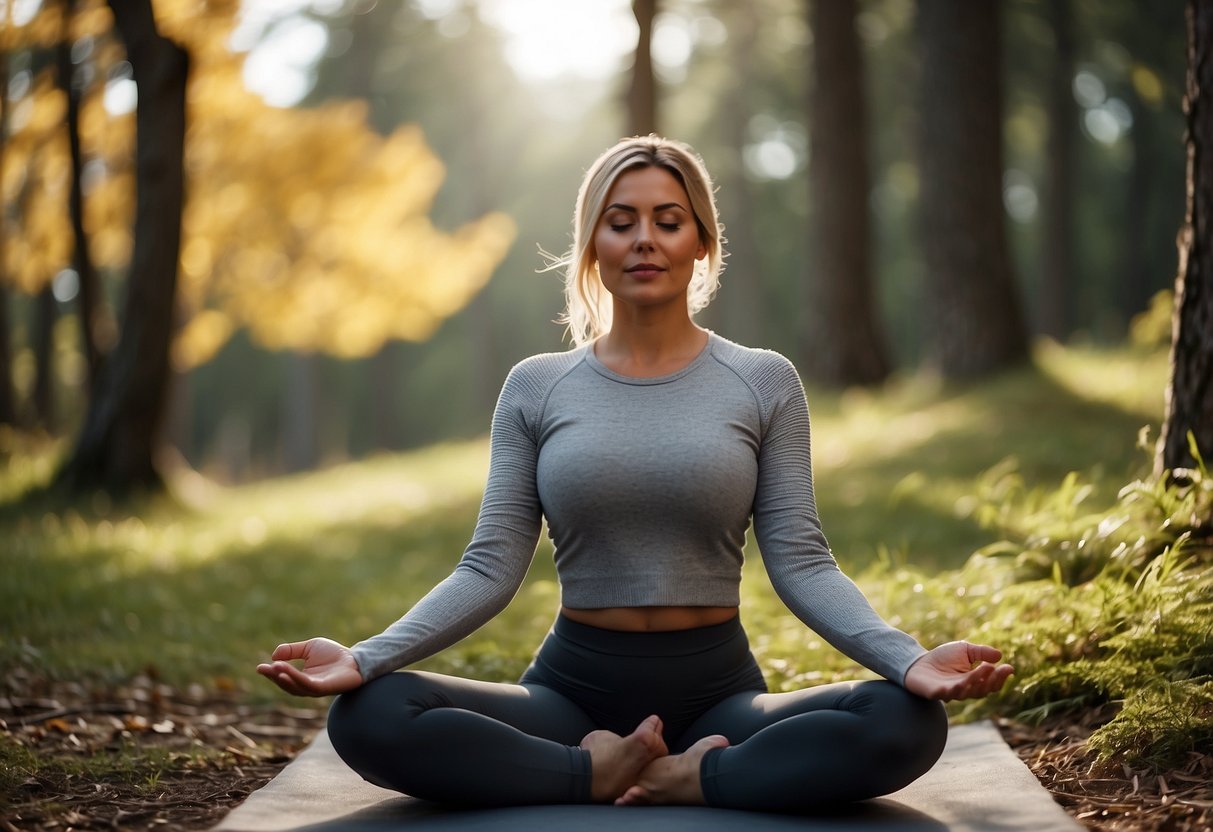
[[843, 342], [1057, 272], [642, 95], [1189, 399], [117, 447], [82, 261], [974, 317]]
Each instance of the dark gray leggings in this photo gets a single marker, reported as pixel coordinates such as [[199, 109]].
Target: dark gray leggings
[[484, 743]]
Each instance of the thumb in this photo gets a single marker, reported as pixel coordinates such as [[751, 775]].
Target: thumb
[[983, 653]]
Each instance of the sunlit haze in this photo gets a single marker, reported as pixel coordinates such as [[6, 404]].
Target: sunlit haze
[[542, 40], [546, 40]]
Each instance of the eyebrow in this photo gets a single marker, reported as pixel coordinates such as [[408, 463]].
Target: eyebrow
[[665, 206]]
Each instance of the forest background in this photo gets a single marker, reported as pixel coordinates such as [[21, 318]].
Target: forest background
[[256, 239], [512, 101]]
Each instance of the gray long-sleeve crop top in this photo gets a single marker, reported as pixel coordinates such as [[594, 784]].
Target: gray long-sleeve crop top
[[648, 486]]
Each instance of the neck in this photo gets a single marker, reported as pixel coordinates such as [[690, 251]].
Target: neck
[[648, 344]]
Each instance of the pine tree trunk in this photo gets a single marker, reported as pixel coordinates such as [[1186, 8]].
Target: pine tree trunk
[[117, 447], [843, 342], [45, 313], [82, 261], [1057, 272], [1140, 278], [974, 317], [300, 418], [642, 95], [1189, 401], [740, 312], [8, 399]]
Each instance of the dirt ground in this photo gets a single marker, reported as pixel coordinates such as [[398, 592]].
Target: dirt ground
[[146, 756]]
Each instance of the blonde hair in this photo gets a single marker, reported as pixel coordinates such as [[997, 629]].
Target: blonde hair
[[588, 307]]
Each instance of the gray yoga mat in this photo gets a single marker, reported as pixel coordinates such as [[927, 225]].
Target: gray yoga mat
[[978, 784]]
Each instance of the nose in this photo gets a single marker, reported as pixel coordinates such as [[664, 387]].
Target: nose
[[644, 236]]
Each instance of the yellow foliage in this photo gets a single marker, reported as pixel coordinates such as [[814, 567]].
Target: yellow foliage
[[200, 339], [1147, 84], [302, 225]]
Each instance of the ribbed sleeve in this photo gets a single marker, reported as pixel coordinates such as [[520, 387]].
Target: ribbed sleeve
[[503, 544], [797, 557]]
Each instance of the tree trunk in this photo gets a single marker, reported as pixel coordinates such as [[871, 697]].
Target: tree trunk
[[642, 95], [117, 447], [742, 306], [45, 314], [300, 434], [974, 317], [844, 345], [1189, 401], [82, 261], [8, 398], [8, 402], [1140, 278], [1057, 270]]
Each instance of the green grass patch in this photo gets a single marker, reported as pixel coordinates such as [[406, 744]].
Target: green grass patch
[[127, 764], [930, 493]]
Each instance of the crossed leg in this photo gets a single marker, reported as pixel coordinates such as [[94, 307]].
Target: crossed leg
[[795, 751], [455, 740]]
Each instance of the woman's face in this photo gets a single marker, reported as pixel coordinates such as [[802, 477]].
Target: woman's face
[[647, 241]]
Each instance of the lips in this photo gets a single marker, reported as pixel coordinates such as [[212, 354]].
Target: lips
[[644, 269]]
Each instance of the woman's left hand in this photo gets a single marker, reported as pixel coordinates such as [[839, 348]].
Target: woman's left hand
[[957, 670]]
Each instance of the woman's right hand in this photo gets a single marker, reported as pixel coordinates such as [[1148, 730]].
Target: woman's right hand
[[328, 668]]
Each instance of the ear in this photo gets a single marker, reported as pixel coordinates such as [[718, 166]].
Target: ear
[[702, 251]]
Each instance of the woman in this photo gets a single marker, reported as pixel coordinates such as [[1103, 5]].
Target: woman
[[649, 448]]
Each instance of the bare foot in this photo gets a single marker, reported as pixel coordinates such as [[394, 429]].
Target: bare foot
[[672, 779], [616, 762]]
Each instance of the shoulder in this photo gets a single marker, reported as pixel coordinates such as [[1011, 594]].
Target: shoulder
[[770, 375], [545, 368], [531, 380]]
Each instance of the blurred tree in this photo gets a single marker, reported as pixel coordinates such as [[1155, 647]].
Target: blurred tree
[[975, 322], [843, 343], [8, 403], [642, 93], [116, 449], [742, 315], [304, 227], [43, 399], [1189, 401], [1151, 84], [82, 260], [1057, 269]]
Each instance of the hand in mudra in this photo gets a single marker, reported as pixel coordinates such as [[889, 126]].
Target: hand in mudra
[[328, 668], [957, 670]]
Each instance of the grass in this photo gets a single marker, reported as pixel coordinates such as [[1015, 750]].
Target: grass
[[956, 507]]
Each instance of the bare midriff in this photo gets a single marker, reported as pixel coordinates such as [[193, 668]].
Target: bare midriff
[[650, 619]]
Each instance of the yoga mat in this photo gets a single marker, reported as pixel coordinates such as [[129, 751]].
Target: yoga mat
[[979, 785]]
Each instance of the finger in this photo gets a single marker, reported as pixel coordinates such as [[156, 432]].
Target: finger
[[285, 682], [299, 682], [290, 651], [1000, 676], [983, 652]]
